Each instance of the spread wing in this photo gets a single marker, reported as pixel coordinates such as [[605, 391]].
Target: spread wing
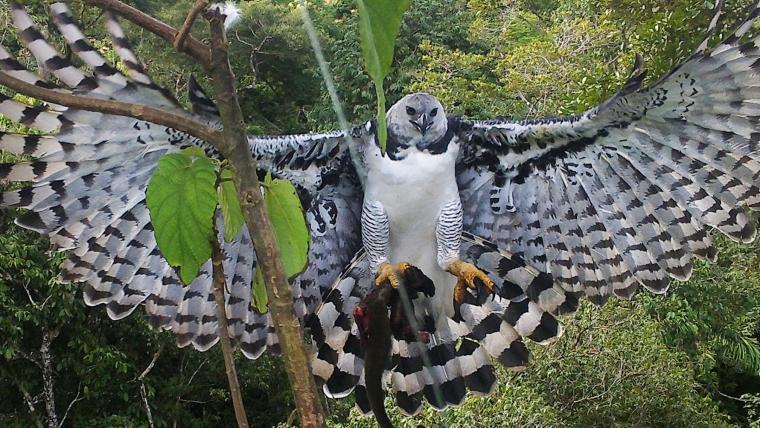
[[87, 181], [624, 194]]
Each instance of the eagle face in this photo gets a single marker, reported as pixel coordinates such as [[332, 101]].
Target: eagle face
[[417, 120]]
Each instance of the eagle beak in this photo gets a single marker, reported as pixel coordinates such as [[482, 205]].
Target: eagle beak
[[422, 124]]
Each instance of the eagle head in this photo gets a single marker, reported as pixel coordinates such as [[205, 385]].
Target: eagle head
[[417, 120]]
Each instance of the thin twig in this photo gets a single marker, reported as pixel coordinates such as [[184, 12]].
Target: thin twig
[[183, 400], [191, 46], [71, 404], [30, 357], [34, 302], [138, 111], [292, 418], [146, 404], [198, 369], [197, 8], [31, 299], [732, 397], [217, 261], [143, 391], [152, 363]]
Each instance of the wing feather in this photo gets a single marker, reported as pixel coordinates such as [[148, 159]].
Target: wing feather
[[45, 54], [626, 191], [86, 192], [82, 48]]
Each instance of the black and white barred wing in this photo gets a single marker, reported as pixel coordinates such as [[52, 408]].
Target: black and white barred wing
[[624, 194], [87, 194]]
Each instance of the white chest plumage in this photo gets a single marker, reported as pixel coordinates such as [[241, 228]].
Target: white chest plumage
[[413, 190]]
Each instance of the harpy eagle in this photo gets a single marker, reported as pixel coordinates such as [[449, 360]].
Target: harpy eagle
[[513, 221]]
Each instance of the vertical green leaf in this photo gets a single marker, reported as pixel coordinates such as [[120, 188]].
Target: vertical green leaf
[[290, 232], [289, 224], [379, 24], [181, 199], [228, 202], [260, 299]]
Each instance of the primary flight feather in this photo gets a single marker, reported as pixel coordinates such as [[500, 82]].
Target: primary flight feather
[[512, 221]]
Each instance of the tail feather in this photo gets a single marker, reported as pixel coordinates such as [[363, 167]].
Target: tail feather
[[459, 354], [477, 369]]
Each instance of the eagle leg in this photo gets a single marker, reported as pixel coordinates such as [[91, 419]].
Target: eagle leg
[[468, 276], [391, 273]]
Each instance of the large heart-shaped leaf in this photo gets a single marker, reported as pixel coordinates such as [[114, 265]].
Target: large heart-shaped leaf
[[181, 199]]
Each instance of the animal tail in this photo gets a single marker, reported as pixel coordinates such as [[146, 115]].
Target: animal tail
[[459, 356]]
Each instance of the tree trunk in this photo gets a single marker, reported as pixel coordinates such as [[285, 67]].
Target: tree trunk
[[48, 390], [289, 330]]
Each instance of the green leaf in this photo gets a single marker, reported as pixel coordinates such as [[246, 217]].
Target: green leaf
[[228, 201], [260, 298], [288, 223], [181, 199], [194, 151], [379, 24]]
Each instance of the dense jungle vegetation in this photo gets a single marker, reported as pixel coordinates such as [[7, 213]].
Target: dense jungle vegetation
[[688, 358]]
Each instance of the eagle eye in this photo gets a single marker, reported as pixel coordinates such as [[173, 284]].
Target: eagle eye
[[410, 111], [434, 112]]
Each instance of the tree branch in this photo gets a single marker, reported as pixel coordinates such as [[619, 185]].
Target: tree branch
[[28, 399], [289, 330], [48, 385], [191, 46], [29, 357], [78, 397], [217, 261], [197, 8], [233, 145], [146, 404], [143, 392], [138, 111], [197, 370], [151, 364]]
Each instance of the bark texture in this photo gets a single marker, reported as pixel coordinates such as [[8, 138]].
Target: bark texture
[[289, 330]]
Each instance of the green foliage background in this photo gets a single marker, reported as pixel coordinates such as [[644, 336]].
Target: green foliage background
[[690, 358]]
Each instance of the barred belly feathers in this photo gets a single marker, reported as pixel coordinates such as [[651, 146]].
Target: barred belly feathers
[[512, 221]]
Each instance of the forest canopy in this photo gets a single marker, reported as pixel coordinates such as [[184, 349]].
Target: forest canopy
[[688, 358]]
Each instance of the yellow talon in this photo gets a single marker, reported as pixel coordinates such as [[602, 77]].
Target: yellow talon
[[390, 273], [467, 274]]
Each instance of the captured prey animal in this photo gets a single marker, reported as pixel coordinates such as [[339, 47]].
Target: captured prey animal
[[379, 317], [512, 221]]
